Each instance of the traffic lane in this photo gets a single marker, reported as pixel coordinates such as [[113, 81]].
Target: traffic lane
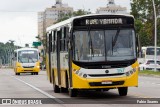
[[148, 87], [41, 82], [83, 97], [11, 88]]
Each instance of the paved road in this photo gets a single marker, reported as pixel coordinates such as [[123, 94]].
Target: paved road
[[37, 86]]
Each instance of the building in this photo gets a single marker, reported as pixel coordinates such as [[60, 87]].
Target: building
[[112, 8], [51, 15]]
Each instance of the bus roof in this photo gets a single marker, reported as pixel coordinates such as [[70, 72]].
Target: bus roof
[[22, 49], [151, 47], [70, 20]]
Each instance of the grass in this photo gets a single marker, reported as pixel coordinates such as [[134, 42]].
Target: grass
[[149, 73]]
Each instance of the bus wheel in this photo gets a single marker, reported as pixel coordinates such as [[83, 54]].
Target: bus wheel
[[17, 73], [56, 88], [123, 91], [36, 73], [73, 92]]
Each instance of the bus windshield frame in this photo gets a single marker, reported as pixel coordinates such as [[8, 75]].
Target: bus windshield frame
[[94, 46], [28, 56]]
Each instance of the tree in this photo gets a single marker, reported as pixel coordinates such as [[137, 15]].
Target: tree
[[142, 10]]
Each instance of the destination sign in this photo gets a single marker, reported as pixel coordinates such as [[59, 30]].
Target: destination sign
[[103, 21]]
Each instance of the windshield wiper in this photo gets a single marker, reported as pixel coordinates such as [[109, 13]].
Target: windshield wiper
[[116, 37], [90, 45], [20, 60]]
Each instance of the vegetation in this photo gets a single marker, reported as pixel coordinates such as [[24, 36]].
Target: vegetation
[[151, 73], [6, 51], [142, 10]]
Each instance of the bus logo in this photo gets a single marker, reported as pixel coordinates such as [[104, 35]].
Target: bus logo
[[107, 71]]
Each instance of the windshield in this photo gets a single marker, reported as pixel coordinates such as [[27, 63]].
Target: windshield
[[28, 56], [150, 51], [104, 45]]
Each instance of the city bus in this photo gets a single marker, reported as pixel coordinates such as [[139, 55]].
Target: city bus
[[92, 52], [149, 51], [26, 60]]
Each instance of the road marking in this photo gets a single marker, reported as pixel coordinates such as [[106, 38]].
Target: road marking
[[149, 83], [39, 90]]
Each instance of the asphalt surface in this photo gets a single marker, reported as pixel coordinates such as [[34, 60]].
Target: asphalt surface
[[37, 86]]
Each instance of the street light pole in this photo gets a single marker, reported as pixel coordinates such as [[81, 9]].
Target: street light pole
[[155, 38]]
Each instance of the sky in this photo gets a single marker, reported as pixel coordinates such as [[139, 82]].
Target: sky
[[18, 18]]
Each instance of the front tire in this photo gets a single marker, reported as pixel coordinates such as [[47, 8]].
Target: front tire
[[17, 73], [73, 92], [123, 91]]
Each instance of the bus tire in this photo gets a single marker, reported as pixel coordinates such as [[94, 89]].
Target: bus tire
[[56, 88], [123, 91], [73, 92], [36, 73], [17, 73]]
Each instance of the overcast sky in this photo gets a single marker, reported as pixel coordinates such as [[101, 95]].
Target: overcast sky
[[18, 18]]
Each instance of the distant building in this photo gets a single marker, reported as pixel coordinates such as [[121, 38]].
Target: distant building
[[112, 8], [51, 15]]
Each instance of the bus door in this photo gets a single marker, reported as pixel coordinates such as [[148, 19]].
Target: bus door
[[49, 55], [58, 57]]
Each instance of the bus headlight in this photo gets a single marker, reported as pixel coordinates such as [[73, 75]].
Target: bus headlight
[[38, 66], [130, 72], [18, 66]]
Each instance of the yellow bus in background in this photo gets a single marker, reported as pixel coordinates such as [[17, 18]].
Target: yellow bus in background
[[92, 52], [26, 60]]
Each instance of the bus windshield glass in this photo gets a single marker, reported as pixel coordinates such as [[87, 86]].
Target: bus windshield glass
[[104, 45], [28, 56], [150, 51]]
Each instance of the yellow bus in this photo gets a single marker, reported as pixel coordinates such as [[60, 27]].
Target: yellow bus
[[26, 60], [92, 52]]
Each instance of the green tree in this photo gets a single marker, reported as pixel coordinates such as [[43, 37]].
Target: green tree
[[142, 10]]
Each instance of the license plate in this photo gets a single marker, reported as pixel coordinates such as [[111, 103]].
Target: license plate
[[106, 82]]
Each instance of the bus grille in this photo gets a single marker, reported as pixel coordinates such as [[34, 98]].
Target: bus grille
[[28, 66], [100, 83], [102, 75]]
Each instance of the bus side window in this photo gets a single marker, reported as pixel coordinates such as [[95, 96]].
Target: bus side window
[[50, 42], [66, 33], [62, 40], [53, 41]]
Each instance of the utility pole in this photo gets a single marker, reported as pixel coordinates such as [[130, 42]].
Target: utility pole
[[155, 38]]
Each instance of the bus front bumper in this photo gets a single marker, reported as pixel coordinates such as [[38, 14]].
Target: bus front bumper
[[96, 83], [25, 70]]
